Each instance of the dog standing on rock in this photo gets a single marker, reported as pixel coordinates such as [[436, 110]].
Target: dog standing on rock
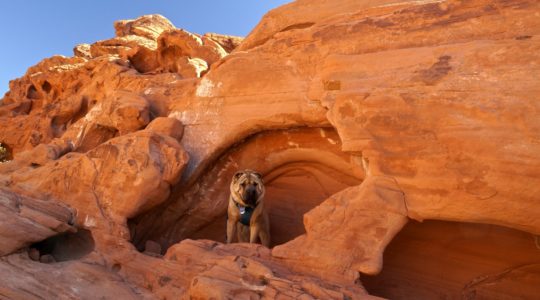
[[246, 215]]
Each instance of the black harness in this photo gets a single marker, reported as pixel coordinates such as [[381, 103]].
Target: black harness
[[245, 213]]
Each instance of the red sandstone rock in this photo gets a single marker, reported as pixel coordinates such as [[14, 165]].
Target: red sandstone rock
[[167, 126], [301, 169], [82, 50], [47, 259], [70, 87], [117, 179], [125, 46], [73, 279], [148, 26], [434, 110], [355, 226], [228, 42], [249, 273], [33, 254], [26, 220], [152, 248], [177, 43], [480, 260]]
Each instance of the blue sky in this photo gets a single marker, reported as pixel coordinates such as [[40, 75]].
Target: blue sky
[[34, 29]]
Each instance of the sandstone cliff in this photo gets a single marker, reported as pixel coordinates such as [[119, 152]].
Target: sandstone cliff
[[364, 117]]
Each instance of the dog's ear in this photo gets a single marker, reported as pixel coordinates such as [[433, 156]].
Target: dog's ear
[[258, 175], [238, 174]]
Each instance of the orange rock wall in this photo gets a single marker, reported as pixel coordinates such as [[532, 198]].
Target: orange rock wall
[[437, 260], [361, 115], [301, 168]]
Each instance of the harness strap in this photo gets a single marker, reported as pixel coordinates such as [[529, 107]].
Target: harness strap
[[245, 213]]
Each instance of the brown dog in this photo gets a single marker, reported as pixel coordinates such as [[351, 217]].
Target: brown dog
[[246, 215]]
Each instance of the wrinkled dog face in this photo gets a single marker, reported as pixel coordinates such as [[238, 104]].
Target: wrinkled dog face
[[248, 187]]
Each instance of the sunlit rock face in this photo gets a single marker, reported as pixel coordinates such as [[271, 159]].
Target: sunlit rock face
[[360, 115]]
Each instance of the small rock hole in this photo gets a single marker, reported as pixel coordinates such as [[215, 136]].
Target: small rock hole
[[63, 247], [46, 86], [116, 268], [32, 92]]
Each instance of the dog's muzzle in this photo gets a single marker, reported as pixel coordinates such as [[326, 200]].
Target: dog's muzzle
[[250, 195]]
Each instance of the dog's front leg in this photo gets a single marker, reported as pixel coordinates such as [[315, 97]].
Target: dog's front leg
[[231, 230], [253, 234], [265, 238]]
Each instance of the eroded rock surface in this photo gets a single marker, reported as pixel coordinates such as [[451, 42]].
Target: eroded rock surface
[[26, 220], [100, 92], [355, 224], [359, 114], [302, 167], [479, 261], [114, 181]]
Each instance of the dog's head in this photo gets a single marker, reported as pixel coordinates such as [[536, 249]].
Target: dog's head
[[247, 188]]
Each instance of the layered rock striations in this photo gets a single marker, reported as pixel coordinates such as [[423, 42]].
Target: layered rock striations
[[360, 115]]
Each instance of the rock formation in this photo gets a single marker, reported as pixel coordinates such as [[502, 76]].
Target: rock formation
[[361, 115]]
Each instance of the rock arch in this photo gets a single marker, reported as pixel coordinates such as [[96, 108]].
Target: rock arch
[[301, 168]]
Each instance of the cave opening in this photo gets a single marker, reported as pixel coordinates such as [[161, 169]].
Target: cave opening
[[301, 168], [63, 247], [456, 260], [291, 191]]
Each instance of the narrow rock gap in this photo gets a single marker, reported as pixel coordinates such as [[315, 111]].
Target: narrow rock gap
[[83, 110], [95, 136]]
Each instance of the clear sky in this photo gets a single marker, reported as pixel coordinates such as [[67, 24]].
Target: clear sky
[[31, 30]]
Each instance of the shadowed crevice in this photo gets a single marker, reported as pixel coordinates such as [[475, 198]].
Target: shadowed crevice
[[63, 247]]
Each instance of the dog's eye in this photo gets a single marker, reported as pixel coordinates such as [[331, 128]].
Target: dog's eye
[[243, 184], [255, 184]]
